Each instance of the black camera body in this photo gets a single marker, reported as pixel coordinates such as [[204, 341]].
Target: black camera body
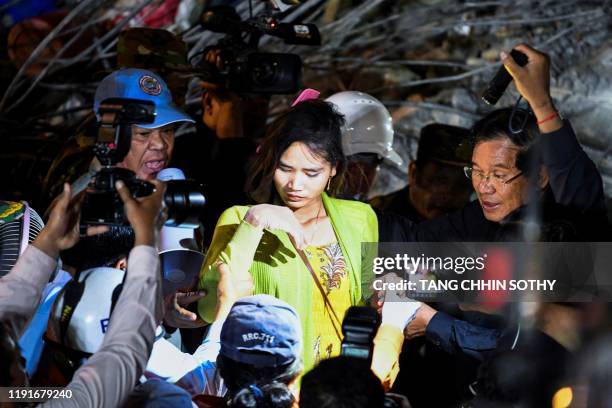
[[102, 203], [246, 69], [359, 328]]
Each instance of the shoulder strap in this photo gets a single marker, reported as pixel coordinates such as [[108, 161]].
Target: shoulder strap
[[72, 295]]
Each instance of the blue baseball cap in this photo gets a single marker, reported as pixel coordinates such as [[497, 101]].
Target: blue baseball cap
[[131, 83], [262, 331]]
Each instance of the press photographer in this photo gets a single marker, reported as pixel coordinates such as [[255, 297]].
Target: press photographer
[[134, 143]]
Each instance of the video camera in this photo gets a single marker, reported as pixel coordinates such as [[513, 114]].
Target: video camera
[[244, 69], [102, 204]]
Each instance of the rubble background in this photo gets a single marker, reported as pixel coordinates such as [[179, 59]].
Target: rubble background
[[427, 60]]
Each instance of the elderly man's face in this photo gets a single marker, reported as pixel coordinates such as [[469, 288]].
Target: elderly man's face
[[150, 151], [494, 169]]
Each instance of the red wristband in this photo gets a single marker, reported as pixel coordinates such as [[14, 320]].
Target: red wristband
[[549, 117]]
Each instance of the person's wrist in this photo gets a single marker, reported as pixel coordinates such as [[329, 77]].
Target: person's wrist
[[47, 243], [223, 309], [428, 314], [144, 236], [542, 107], [547, 116], [252, 219]]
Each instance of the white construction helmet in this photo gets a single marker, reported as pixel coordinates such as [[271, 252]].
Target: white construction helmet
[[81, 312], [368, 127]]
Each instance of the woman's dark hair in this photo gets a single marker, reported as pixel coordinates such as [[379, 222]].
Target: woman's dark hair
[[313, 122], [258, 387], [496, 125]]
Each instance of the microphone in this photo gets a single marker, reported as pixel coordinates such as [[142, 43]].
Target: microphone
[[502, 79], [170, 237], [180, 263], [171, 173]]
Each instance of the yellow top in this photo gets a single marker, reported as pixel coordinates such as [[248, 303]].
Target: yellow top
[[329, 265]]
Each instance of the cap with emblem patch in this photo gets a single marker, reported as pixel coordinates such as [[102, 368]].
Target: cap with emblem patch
[[134, 83], [262, 331]]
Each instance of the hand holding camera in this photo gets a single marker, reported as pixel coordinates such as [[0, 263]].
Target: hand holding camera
[[62, 229], [144, 214]]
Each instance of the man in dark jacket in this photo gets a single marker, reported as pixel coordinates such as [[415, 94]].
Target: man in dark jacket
[[539, 172]]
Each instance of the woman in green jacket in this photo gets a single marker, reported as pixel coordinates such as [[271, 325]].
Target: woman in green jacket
[[299, 244]]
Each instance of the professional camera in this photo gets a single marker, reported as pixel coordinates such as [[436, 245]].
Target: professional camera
[[244, 69], [102, 204], [359, 328]]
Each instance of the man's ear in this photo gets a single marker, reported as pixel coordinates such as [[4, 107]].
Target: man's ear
[[543, 177], [207, 103], [122, 264], [412, 173]]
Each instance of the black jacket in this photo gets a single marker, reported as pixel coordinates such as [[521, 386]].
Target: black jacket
[[572, 209]]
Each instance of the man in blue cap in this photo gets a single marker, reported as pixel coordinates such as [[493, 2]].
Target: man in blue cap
[[152, 144]]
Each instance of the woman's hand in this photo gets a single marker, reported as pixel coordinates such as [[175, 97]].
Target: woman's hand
[[277, 217]]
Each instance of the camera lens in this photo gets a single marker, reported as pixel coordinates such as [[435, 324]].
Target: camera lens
[[265, 73], [185, 201]]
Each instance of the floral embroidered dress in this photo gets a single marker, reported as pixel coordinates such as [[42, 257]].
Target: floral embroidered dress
[[329, 265]]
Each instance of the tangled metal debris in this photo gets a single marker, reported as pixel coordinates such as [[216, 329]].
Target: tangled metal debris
[[427, 60]]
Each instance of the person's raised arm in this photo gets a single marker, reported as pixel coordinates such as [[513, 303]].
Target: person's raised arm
[[533, 83], [573, 177], [236, 238], [20, 290], [108, 377]]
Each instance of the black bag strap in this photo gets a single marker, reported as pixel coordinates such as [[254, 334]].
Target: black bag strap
[[72, 295]]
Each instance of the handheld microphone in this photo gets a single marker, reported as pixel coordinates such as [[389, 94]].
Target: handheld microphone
[[502, 79], [171, 173]]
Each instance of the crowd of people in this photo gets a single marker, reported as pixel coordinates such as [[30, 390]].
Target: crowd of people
[[282, 235]]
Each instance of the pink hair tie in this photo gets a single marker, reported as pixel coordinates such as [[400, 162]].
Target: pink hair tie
[[306, 94]]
